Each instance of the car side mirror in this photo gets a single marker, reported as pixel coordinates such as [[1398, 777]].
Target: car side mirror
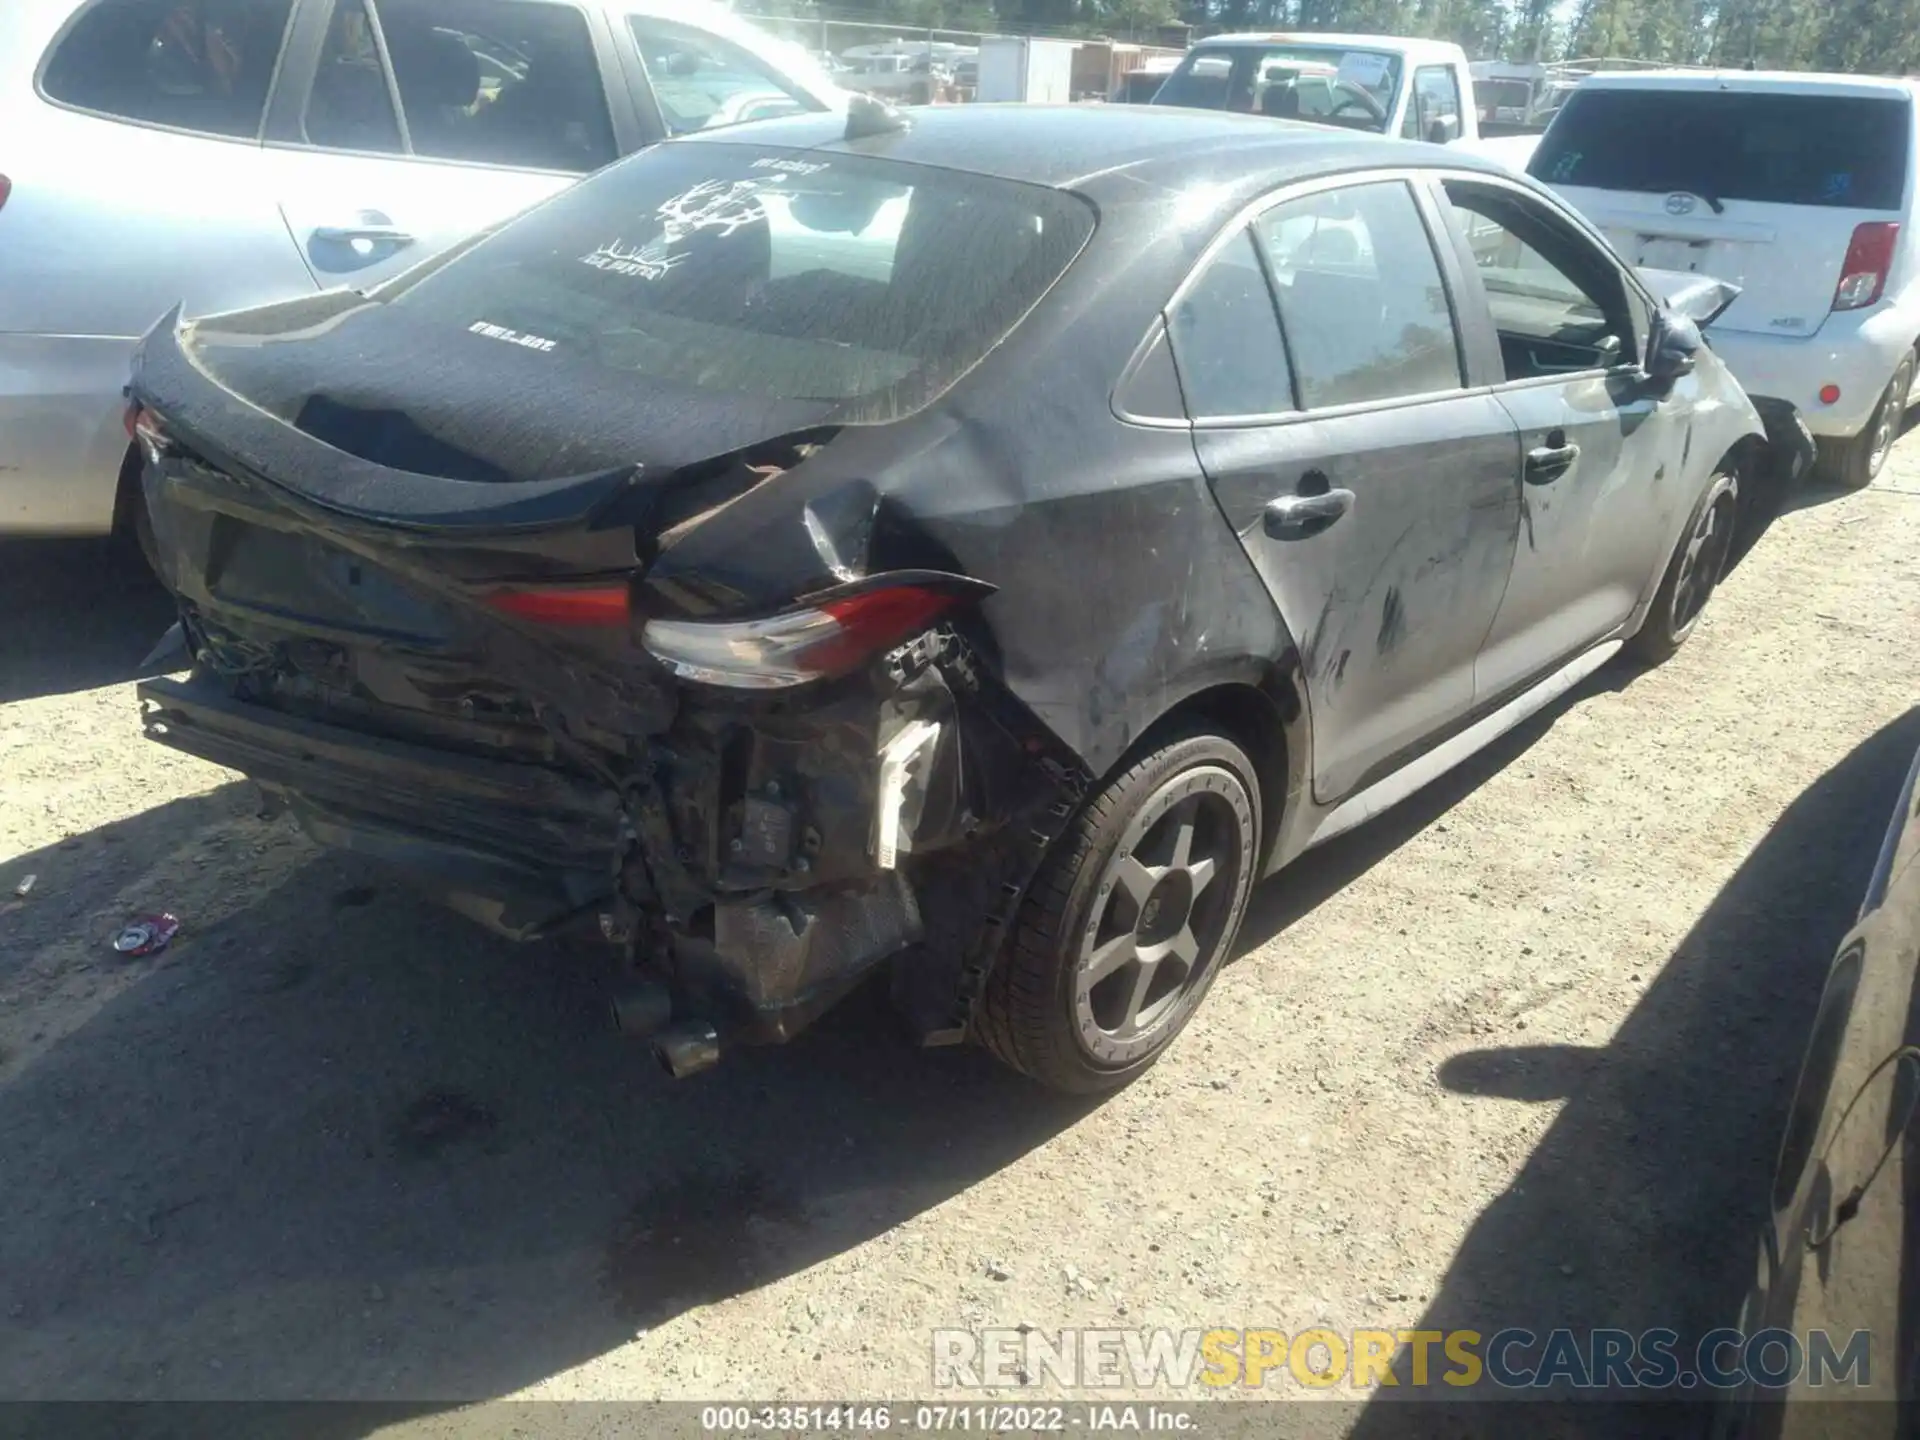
[[1671, 349], [1443, 131]]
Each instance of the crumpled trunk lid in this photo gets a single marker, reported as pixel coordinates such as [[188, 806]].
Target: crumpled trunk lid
[[327, 585], [308, 559]]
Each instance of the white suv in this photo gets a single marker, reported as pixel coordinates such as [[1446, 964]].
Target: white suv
[[1797, 188], [228, 153]]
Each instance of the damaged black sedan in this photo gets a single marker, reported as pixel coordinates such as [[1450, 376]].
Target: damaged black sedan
[[985, 546]]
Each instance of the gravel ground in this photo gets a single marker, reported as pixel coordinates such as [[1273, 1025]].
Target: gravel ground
[[1517, 1052]]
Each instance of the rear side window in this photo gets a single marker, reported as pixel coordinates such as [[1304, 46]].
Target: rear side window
[[1784, 149], [202, 65], [1365, 309], [702, 82], [1226, 339], [502, 82], [770, 273]]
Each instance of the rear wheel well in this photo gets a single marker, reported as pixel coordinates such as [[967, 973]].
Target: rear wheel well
[[1242, 714], [131, 526], [126, 495]]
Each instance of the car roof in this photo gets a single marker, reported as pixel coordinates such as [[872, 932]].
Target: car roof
[[1066, 146], [1771, 81], [1410, 46]]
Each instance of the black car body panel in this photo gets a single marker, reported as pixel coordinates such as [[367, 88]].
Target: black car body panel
[[1837, 1253], [341, 539]]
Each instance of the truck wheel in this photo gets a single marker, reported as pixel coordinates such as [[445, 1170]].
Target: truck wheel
[[1129, 919], [1853, 464]]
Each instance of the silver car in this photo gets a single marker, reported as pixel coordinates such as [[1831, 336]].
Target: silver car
[[228, 153]]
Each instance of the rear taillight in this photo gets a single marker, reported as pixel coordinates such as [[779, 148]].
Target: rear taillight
[[830, 636], [565, 604], [1863, 278]]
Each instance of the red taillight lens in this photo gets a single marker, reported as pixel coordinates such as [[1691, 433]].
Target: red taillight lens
[[565, 604], [873, 620], [1863, 278], [829, 637]]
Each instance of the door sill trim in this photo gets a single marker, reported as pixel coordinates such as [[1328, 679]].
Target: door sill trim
[[1415, 774]]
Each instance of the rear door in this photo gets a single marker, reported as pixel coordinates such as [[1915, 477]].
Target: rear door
[[406, 125], [1602, 455], [1763, 187], [100, 235], [131, 144], [1374, 491]]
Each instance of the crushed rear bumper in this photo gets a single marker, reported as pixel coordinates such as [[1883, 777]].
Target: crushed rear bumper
[[531, 850], [522, 847]]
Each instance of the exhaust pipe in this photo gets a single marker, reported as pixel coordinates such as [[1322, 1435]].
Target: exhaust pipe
[[642, 1010], [687, 1048]]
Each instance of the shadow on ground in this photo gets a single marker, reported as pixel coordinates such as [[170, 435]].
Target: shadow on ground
[[341, 1144], [78, 614], [1640, 1207], [1322, 873], [344, 1144]]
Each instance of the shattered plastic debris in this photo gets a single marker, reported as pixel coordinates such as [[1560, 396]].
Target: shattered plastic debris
[[146, 934], [25, 887]]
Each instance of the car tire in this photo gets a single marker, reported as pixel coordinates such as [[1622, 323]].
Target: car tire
[[1693, 571], [1854, 464], [1130, 917]]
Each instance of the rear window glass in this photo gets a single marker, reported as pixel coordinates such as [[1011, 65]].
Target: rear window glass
[[1837, 150], [1493, 96], [1334, 86], [781, 274]]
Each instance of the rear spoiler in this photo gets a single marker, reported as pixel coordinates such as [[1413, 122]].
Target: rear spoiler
[[208, 417], [1701, 298]]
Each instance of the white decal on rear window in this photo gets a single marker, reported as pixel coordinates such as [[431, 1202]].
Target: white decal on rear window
[[791, 167], [512, 337], [719, 206], [648, 262], [723, 206]]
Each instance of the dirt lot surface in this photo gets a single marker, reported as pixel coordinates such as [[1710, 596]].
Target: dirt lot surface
[[1515, 1053]]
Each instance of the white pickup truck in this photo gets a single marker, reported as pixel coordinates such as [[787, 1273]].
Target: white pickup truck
[[1388, 84]]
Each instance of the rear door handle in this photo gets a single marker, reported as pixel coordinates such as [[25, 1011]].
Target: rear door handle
[[1547, 463], [1296, 517], [371, 234]]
